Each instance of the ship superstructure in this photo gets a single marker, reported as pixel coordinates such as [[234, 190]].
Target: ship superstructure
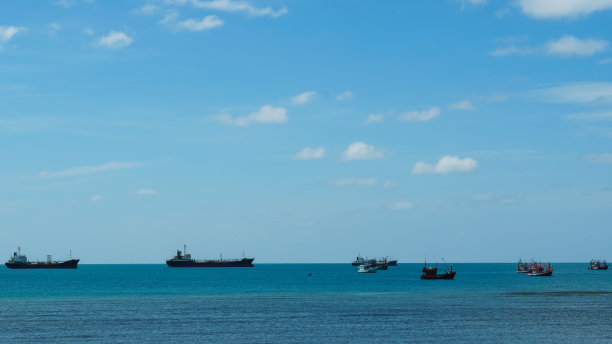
[[184, 260]]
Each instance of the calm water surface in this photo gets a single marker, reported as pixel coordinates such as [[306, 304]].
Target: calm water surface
[[279, 303]]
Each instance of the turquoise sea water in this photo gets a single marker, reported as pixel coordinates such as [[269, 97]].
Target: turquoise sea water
[[280, 303]]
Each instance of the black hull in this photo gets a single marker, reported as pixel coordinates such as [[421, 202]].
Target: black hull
[[68, 264], [242, 263], [445, 276]]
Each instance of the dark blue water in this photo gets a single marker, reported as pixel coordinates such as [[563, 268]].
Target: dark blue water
[[279, 303]]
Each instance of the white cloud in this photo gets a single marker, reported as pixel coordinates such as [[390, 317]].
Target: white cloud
[[88, 31], [361, 151], [356, 181], [239, 6], [85, 170], [447, 164], [146, 9], [405, 205], [170, 17], [604, 158], [591, 116], [7, 32], [345, 95], [579, 93], [554, 9], [567, 45], [310, 153], [303, 98], [497, 98], [605, 61], [63, 3], [95, 198], [419, 116], [462, 105], [207, 23], [146, 192], [115, 40], [374, 118], [389, 184], [266, 114], [54, 28], [570, 45], [512, 50], [482, 196]]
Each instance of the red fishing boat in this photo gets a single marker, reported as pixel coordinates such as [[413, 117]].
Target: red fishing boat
[[431, 273], [539, 269]]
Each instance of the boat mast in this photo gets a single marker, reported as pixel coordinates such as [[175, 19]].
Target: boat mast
[[184, 249]]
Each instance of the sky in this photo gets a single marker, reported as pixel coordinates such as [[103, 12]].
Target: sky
[[306, 131]]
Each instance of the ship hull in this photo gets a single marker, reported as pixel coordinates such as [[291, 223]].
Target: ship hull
[[68, 264], [242, 263]]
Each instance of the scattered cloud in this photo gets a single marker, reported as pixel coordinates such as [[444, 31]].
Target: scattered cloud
[[345, 95], [603, 158], [491, 198], [85, 170], [570, 45], [361, 151], [555, 9], [115, 40], [465, 105], [447, 164], [419, 116], [238, 6], [389, 184], [63, 3], [566, 45], [170, 17], [88, 31], [374, 118], [54, 28], [95, 198], [303, 98], [266, 114], [578, 93], [207, 23], [146, 9], [356, 181], [310, 153], [591, 116], [605, 61], [8, 32], [405, 205], [146, 192], [497, 98]]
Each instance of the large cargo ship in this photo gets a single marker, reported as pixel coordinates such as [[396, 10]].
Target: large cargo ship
[[20, 261], [184, 260]]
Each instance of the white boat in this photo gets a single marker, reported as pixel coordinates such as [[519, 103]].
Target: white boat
[[366, 268]]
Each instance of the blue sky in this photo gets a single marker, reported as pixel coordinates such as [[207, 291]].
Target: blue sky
[[306, 131]]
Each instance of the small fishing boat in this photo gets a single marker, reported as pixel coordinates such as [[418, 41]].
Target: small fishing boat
[[598, 265], [431, 273], [367, 268], [539, 269], [523, 267]]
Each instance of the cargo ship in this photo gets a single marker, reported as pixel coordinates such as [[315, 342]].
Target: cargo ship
[[20, 261], [184, 260]]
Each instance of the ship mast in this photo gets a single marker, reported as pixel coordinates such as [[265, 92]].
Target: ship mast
[[184, 249]]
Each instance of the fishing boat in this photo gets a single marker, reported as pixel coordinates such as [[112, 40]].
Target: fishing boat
[[367, 268], [598, 265], [522, 267], [359, 260], [431, 273], [539, 269]]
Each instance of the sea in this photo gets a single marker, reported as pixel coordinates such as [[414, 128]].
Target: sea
[[304, 303]]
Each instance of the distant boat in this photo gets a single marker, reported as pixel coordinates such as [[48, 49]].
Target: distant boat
[[184, 260], [431, 273], [20, 261], [598, 265], [359, 260], [539, 269], [367, 268], [523, 267], [385, 262]]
